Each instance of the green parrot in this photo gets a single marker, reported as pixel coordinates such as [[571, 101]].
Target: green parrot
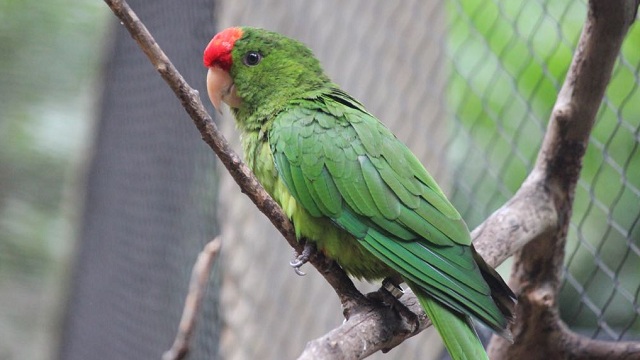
[[350, 186]]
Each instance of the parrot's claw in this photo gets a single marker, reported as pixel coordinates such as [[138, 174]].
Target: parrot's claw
[[303, 258], [393, 287], [389, 294]]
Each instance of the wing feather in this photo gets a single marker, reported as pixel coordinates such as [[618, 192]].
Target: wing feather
[[451, 291], [347, 166], [385, 199]]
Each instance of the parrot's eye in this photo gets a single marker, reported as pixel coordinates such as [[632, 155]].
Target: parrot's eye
[[252, 58]]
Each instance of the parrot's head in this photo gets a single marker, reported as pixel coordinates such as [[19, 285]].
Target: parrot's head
[[252, 69]]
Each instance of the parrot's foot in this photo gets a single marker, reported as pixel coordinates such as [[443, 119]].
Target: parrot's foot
[[393, 286], [389, 294], [303, 258]]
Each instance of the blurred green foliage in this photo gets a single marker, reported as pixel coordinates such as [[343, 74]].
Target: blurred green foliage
[[50, 56], [508, 62], [50, 59]]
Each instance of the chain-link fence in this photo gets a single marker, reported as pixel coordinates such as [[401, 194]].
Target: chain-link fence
[[468, 86], [508, 62]]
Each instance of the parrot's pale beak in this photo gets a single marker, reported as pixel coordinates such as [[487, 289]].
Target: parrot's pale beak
[[221, 88]]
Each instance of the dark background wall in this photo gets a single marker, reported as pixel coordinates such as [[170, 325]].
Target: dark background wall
[[150, 203]]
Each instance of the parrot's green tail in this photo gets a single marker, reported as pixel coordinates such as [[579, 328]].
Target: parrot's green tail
[[455, 329]]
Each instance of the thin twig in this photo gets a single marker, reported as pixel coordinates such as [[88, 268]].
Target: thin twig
[[193, 301]]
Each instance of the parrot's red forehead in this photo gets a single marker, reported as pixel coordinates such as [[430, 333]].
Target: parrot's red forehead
[[218, 52]]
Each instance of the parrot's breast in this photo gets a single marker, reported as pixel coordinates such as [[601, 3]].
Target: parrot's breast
[[333, 241]]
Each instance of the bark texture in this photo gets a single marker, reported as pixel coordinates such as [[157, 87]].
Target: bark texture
[[537, 270]]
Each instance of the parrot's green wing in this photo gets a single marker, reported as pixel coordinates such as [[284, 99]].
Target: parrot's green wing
[[338, 161]]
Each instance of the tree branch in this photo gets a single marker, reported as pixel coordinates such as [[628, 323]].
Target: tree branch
[[197, 287], [190, 100], [537, 270], [536, 211]]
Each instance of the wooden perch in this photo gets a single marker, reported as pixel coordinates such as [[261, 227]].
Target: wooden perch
[[537, 270], [197, 287], [532, 224], [190, 100]]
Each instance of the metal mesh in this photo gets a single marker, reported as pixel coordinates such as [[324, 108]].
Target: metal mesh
[[471, 95], [150, 201], [508, 62], [270, 313], [468, 86], [602, 285]]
